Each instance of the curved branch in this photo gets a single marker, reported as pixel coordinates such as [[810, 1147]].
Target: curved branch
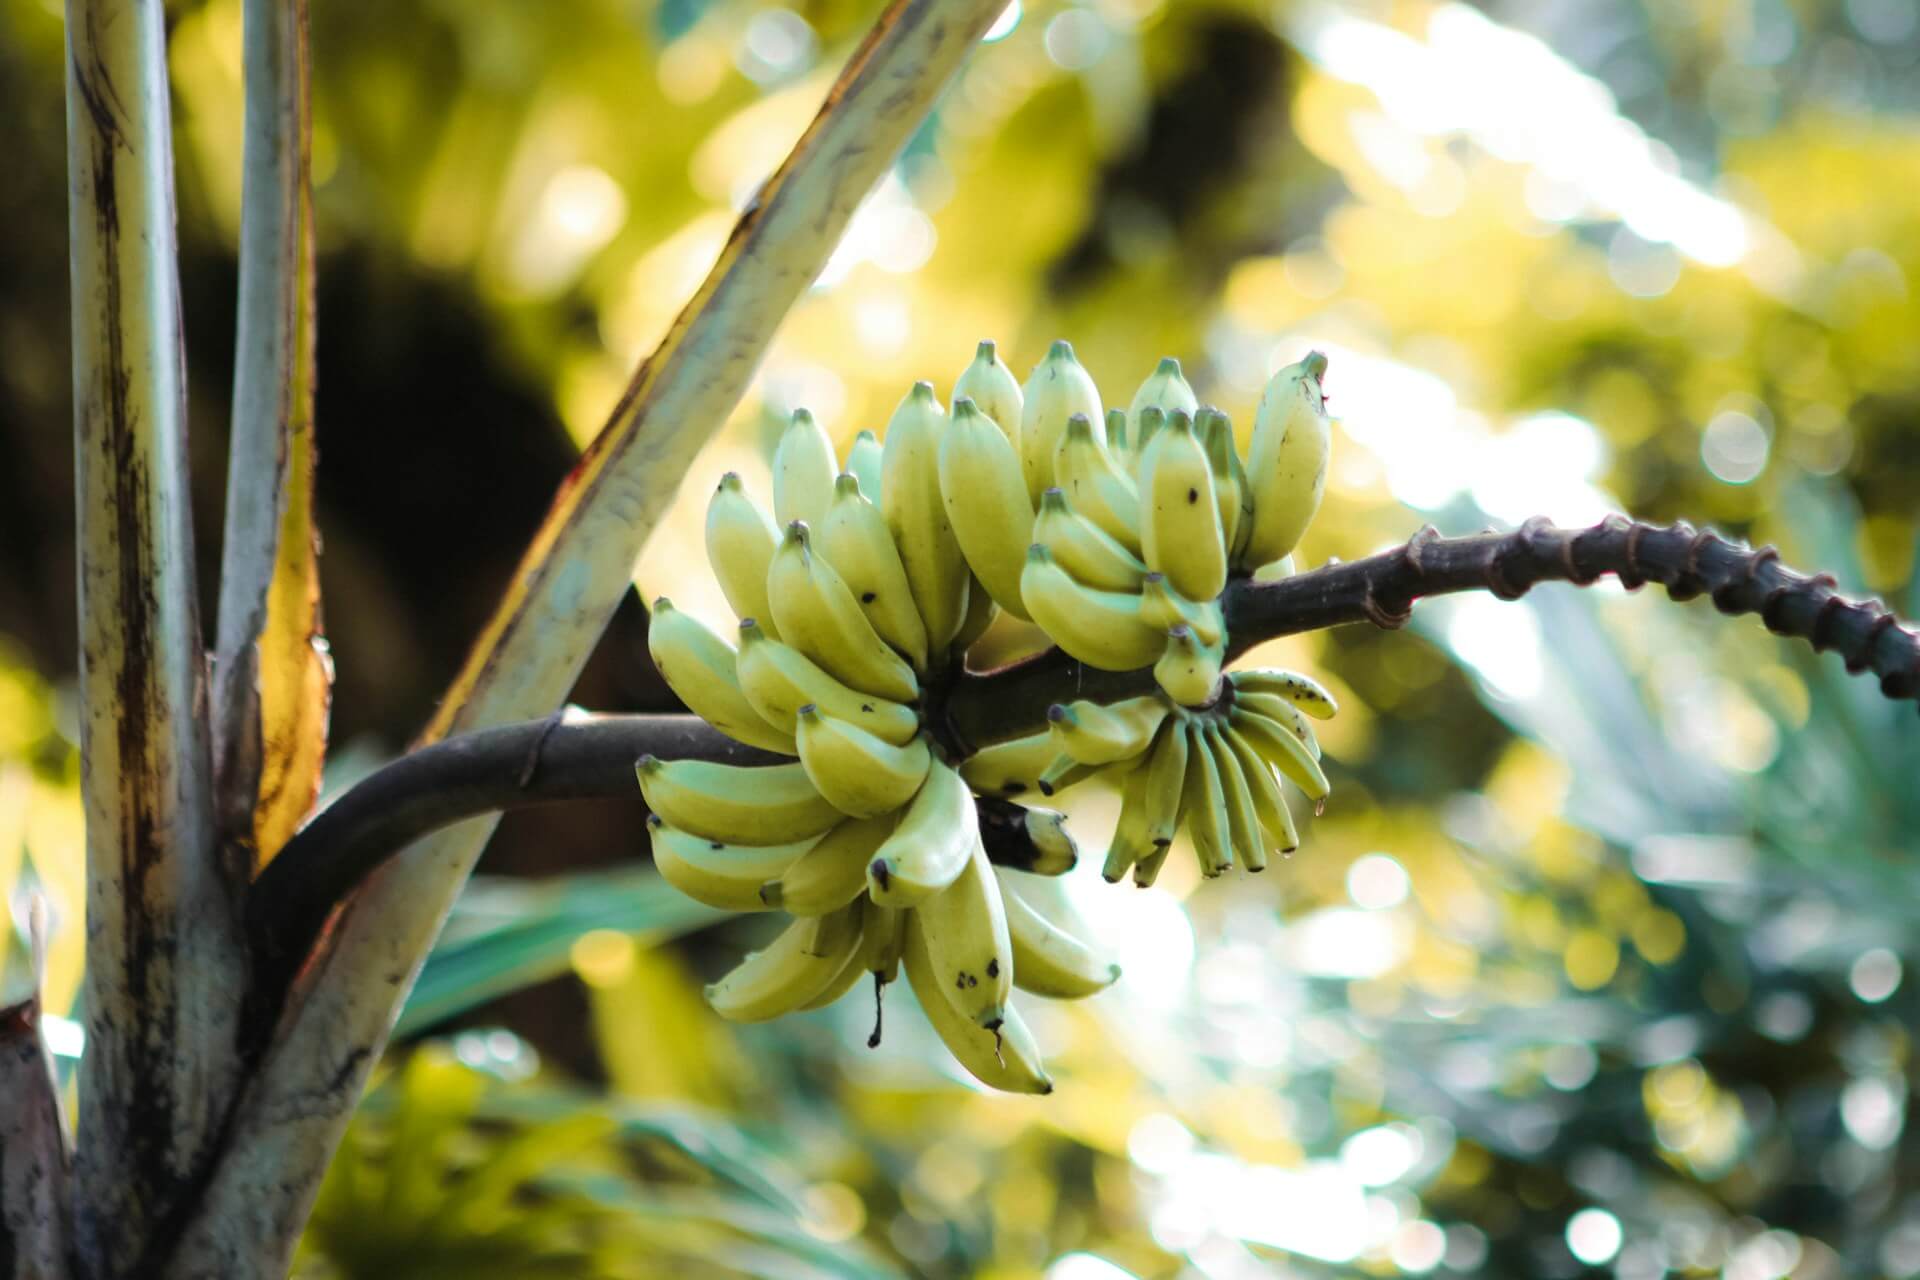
[[516, 766], [1382, 589], [587, 757]]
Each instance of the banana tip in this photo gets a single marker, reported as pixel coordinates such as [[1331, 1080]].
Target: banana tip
[[1316, 364], [882, 873]]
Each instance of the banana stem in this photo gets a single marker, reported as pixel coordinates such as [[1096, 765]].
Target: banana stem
[[1382, 589]]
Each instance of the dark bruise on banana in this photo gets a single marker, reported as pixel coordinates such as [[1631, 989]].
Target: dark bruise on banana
[[1115, 532]]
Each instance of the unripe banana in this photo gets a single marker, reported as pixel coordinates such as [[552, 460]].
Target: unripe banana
[[929, 847], [860, 774], [1188, 671], [1006, 1058], [1269, 804], [852, 970], [1150, 423], [965, 926], [986, 501], [1117, 446], [818, 615], [1058, 853], [700, 669], [1093, 733], [1180, 525], [1047, 960], [778, 680], [1161, 606], [994, 391], [883, 941], [1166, 775], [1057, 389], [981, 611], [1286, 752], [1278, 709], [1147, 870], [1097, 487], [1011, 767], [727, 876], [1287, 461], [910, 500], [791, 972], [1102, 628], [1166, 388], [735, 804], [1243, 820], [803, 471], [863, 459], [1082, 548], [1132, 840], [1215, 432], [740, 544], [1064, 772], [854, 538], [831, 872], [1204, 803], [1300, 690]]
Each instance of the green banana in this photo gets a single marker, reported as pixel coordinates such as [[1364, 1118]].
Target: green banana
[[1277, 708], [1180, 528], [1011, 767], [1215, 432], [1161, 606], [1165, 389], [981, 611], [1287, 461], [986, 501], [740, 544], [1286, 752], [832, 871], [863, 459], [965, 927], [791, 972], [1151, 421], [803, 471], [1102, 628], [854, 538], [1294, 687], [1047, 829], [1097, 488], [1047, 960], [1086, 551], [859, 773], [885, 938], [1005, 1058], [727, 876], [1096, 733], [1057, 390], [993, 389], [1116, 440], [777, 680], [845, 979], [818, 615], [700, 669], [1131, 838], [1204, 802], [735, 804], [1166, 774], [1269, 804], [930, 845], [1243, 820], [1188, 670], [1147, 870], [910, 500]]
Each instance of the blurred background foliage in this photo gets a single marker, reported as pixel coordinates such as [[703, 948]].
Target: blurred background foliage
[[1595, 963]]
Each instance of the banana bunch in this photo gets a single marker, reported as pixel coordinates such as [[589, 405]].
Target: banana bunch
[[1150, 512], [1211, 770], [1115, 533], [853, 592]]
